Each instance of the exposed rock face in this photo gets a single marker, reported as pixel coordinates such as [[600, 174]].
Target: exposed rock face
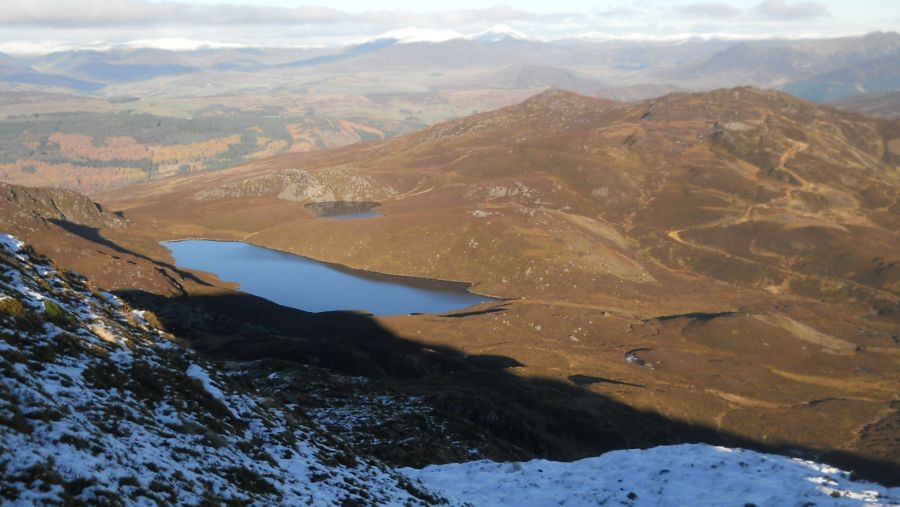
[[22, 205], [298, 185]]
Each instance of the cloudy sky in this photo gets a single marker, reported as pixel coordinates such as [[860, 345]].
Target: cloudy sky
[[43, 25]]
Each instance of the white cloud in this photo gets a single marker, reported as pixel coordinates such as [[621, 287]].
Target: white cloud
[[84, 13], [26, 26], [708, 10], [791, 11], [181, 44]]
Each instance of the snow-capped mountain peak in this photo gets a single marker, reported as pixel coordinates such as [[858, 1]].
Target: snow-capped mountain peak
[[500, 33], [412, 35], [409, 35]]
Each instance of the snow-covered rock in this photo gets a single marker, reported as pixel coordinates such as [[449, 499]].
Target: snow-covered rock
[[297, 185]]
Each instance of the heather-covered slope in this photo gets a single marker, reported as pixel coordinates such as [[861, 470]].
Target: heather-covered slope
[[89, 238], [688, 179], [30, 206], [744, 241]]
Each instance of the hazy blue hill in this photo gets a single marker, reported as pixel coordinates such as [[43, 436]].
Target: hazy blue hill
[[776, 62], [875, 76], [119, 73], [13, 70], [9, 63], [346, 54], [37, 78]]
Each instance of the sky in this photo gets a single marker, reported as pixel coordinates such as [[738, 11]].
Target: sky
[[33, 26]]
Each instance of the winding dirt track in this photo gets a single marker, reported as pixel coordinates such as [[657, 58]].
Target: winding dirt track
[[795, 148]]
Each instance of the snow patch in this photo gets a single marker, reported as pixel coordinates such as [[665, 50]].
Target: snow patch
[[12, 245], [197, 372], [678, 475]]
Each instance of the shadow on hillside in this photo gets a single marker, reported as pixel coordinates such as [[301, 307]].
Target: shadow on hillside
[[586, 380], [460, 315], [524, 417], [93, 234]]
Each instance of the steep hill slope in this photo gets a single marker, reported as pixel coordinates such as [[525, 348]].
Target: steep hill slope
[[99, 406], [22, 205], [85, 236]]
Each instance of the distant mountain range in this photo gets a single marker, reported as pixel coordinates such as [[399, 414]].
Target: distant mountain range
[[859, 79], [819, 70], [14, 71], [805, 68]]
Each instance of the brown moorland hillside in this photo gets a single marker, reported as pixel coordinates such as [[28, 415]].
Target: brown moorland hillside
[[728, 258], [81, 234]]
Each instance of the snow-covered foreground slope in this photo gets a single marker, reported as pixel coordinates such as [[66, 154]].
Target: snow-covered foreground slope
[[678, 475], [99, 407]]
